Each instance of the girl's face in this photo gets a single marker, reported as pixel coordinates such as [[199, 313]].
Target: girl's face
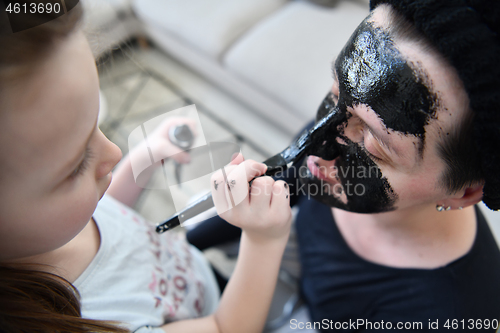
[[397, 103], [56, 163]]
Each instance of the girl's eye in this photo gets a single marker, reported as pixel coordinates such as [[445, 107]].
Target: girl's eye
[[80, 169]]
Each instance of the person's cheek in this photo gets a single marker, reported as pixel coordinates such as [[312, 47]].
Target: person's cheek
[[362, 187]]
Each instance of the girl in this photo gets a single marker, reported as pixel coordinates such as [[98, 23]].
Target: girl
[[58, 227]]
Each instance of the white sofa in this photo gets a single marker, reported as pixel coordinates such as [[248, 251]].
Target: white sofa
[[273, 55]]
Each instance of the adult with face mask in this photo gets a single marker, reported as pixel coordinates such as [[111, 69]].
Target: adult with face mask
[[388, 229]]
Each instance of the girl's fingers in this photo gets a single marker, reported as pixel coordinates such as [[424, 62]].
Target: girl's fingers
[[238, 180], [230, 184], [281, 195], [236, 159], [261, 192], [236, 188], [218, 185]]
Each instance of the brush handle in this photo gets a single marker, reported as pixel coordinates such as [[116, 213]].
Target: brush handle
[[311, 141], [197, 207], [275, 164]]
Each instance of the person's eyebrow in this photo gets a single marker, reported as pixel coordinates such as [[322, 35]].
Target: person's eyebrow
[[380, 138]]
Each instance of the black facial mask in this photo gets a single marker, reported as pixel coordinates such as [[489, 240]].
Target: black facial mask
[[361, 187], [372, 72]]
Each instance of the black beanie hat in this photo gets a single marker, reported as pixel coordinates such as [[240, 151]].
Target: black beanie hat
[[467, 34]]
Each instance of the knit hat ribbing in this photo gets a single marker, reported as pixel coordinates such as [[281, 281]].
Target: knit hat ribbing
[[467, 34]]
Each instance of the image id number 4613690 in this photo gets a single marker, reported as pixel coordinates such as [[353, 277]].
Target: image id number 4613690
[[471, 324], [33, 8]]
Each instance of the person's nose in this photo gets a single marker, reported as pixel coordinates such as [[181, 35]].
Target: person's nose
[[110, 155], [353, 130], [324, 143], [323, 165]]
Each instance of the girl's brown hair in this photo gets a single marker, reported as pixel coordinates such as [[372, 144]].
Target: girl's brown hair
[[31, 299]]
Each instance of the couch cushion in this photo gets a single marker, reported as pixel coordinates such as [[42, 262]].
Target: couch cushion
[[289, 54], [208, 25]]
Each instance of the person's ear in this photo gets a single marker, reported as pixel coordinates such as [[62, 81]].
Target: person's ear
[[464, 198]]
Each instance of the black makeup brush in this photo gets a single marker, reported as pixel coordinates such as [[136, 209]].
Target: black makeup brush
[[313, 142]]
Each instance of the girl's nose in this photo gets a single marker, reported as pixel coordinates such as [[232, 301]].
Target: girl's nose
[[110, 155]]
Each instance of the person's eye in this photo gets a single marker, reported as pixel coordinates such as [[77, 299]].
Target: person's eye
[[370, 147], [372, 156], [367, 152], [82, 167]]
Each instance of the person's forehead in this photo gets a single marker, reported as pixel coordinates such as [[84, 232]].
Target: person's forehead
[[435, 78], [429, 65], [435, 72], [444, 86]]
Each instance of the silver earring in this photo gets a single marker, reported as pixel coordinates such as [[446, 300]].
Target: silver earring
[[448, 208], [460, 208], [439, 208]]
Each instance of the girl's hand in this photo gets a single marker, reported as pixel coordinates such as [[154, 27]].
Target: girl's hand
[[262, 210], [133, 173], [162, 147]]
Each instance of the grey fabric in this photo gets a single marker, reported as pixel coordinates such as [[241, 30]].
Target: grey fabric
[[209, 26], [289, 54]]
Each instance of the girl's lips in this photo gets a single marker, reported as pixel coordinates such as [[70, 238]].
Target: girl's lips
[[315, 170]]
